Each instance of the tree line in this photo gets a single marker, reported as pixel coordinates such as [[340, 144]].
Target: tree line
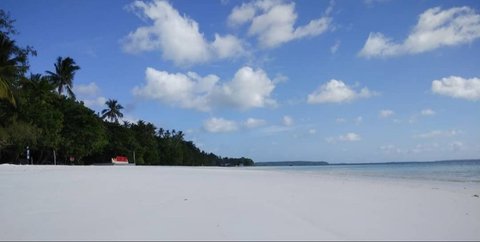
[[40, 119]]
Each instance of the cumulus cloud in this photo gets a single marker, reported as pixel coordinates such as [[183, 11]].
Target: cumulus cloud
[[227, 46], [243, 13], [249, 88], [287, 120], [220, 125], [438, 133], [272, 22], [336, 91], [89, 94], [458, 87], [94, 102], [435, 28], [90, 89], [177, 37], [185, 90], [254, 123], [348, 137], [385, 113]]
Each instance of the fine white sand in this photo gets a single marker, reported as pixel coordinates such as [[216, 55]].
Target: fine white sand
[[184, 203]]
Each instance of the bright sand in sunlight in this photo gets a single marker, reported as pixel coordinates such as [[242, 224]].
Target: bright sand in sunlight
[[184, 203]]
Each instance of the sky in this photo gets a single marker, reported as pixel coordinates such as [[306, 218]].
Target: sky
[[274, 80]]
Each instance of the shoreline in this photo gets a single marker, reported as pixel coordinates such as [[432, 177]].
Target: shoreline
[[218, 203]]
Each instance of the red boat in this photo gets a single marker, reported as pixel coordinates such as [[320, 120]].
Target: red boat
[[120, 160]]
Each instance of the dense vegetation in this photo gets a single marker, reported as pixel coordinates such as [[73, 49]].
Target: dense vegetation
[[40, 112]]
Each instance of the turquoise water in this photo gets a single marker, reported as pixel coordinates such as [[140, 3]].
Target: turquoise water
[[456, 171]]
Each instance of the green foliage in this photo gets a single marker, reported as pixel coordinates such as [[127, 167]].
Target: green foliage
[[40, 106], [13, 59], [113, 112], [13, 65], [145, 135], [15, 137], [6, 23], [62, 77], [121, 141], [83, 132]]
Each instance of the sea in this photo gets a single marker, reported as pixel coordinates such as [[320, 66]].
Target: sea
[[459, 171]]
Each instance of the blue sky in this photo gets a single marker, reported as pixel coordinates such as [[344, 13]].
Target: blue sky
[[341, 81]]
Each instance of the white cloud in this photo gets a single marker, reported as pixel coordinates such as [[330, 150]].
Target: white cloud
[[129, 118], [249, 88], [336, 91], [254, 123], [177, 37], [287, 121], [458, 87], [94, 102], [90, 89], [272, 22], [184, 90], [389, 149], [435, 28], [334, 47], [89, 94], [349, 137], [385, 113], [227, 46], [427, 112], [312, 131], [280, 78], [456, 146], [219, 125], [438, 133], [242, 14]]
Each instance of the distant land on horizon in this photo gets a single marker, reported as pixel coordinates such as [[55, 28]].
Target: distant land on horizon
[[292, 163], [325, 163]]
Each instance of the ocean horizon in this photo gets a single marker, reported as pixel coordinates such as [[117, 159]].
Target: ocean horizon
[[463, 171]]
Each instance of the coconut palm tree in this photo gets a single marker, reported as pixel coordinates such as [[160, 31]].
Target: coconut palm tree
[[63, 76], [8, 68], [112, 113], [40, 85]]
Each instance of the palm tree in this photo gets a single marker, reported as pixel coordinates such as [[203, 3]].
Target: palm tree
[[40, 85], [113, 111], [8, 68], [63, 76]]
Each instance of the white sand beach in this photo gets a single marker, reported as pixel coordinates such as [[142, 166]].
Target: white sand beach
[[185, 203]]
